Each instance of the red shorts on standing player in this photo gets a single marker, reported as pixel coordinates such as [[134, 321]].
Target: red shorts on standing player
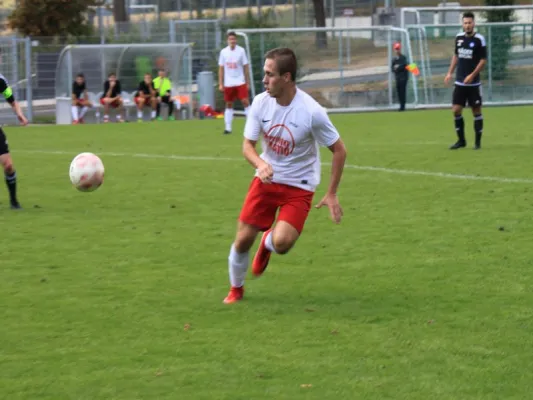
[[264, 199], [232, 93]]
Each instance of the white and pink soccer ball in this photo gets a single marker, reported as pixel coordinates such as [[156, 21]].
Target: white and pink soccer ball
[[87, 172]]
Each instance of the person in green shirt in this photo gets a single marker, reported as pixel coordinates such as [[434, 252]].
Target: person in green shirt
[[163, 87]]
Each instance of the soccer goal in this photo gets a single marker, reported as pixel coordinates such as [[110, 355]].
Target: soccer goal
[[506, 77], [345, 69], [129, 62]]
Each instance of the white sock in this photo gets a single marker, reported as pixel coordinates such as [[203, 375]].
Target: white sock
[[269, 244], [246, 110], [75, 113], [228, 118], [118, 117], [139, 114], [83, 111], [153, 114], [238, 265]]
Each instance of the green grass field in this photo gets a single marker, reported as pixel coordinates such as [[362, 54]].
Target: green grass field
[[424, 291]]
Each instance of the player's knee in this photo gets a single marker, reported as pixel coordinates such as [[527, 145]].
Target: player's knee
[[283, 244], [245, 103], [229, 105], [8, 166]]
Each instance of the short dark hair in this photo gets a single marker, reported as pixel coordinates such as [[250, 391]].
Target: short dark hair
[[80, 75], [232, 33], [285, 61], [469, 14], [111, 74]]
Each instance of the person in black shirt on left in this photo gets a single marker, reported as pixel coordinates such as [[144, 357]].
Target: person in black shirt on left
[[146, 96], [80, 98], [111, 97], [399, 65]]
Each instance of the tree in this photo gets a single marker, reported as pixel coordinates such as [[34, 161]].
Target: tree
[[120, 15], [500, 37], [320, 18], [52, 17]]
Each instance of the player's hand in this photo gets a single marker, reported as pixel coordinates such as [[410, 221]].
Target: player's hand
[[469, 79], [111, 83], [23, 120], [265, 172], [221, 88], [447, 78], [335, 209]]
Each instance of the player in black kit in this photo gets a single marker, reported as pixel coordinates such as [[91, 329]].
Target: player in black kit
[[80, 99], [470, 57], [5, 157]]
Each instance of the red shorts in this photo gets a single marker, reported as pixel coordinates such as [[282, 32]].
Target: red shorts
[[235, 93], [114, 104], [146, 100], [264, 199]]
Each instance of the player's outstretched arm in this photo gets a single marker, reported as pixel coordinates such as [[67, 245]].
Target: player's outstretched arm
[[20, 115], [337, 166]]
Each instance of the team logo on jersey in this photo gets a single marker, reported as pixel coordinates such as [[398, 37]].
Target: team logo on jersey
[[280, 140], [465, 53], [459, 42], [472, 44]]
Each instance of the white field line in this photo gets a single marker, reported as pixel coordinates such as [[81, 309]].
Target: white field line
[[348, 166]]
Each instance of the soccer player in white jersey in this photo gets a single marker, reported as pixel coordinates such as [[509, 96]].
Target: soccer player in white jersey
[[291, 126], [233, 78]]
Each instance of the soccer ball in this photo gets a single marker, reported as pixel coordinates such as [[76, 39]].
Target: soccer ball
[[86, 172]]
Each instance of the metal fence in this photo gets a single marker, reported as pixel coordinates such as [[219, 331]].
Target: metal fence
[[343, 69]]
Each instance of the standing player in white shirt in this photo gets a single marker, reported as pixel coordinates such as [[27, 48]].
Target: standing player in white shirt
[[233, 78], [291, 126]]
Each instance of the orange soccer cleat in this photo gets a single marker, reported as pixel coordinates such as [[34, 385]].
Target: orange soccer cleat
[[235, 294], [262, 256]]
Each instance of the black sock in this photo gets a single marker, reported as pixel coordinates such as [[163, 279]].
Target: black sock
[[478, 127], [460, 127], [11, 182], [158, 109]]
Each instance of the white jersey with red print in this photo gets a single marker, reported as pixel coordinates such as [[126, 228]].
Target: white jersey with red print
[[290, 137], [233, 62]]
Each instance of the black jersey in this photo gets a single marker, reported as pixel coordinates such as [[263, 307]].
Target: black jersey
[[78, 90], [470, 50], [6, 90], [143, 88], [114, 92]]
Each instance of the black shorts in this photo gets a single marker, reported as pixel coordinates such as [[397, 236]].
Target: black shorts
[[4, 149], [467, 94]]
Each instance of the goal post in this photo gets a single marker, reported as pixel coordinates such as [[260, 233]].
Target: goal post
[[344, 69], [129, 62]]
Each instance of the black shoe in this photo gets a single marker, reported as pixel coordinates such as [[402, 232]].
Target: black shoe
[[16, 206], [227, 132], [458, 145], [477, 146]]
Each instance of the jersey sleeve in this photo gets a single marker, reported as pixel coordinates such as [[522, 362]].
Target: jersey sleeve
[[252, 128], [73, 87], [119, 89], [6, 90], [221, 59], [455, 46], [323, 129]]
